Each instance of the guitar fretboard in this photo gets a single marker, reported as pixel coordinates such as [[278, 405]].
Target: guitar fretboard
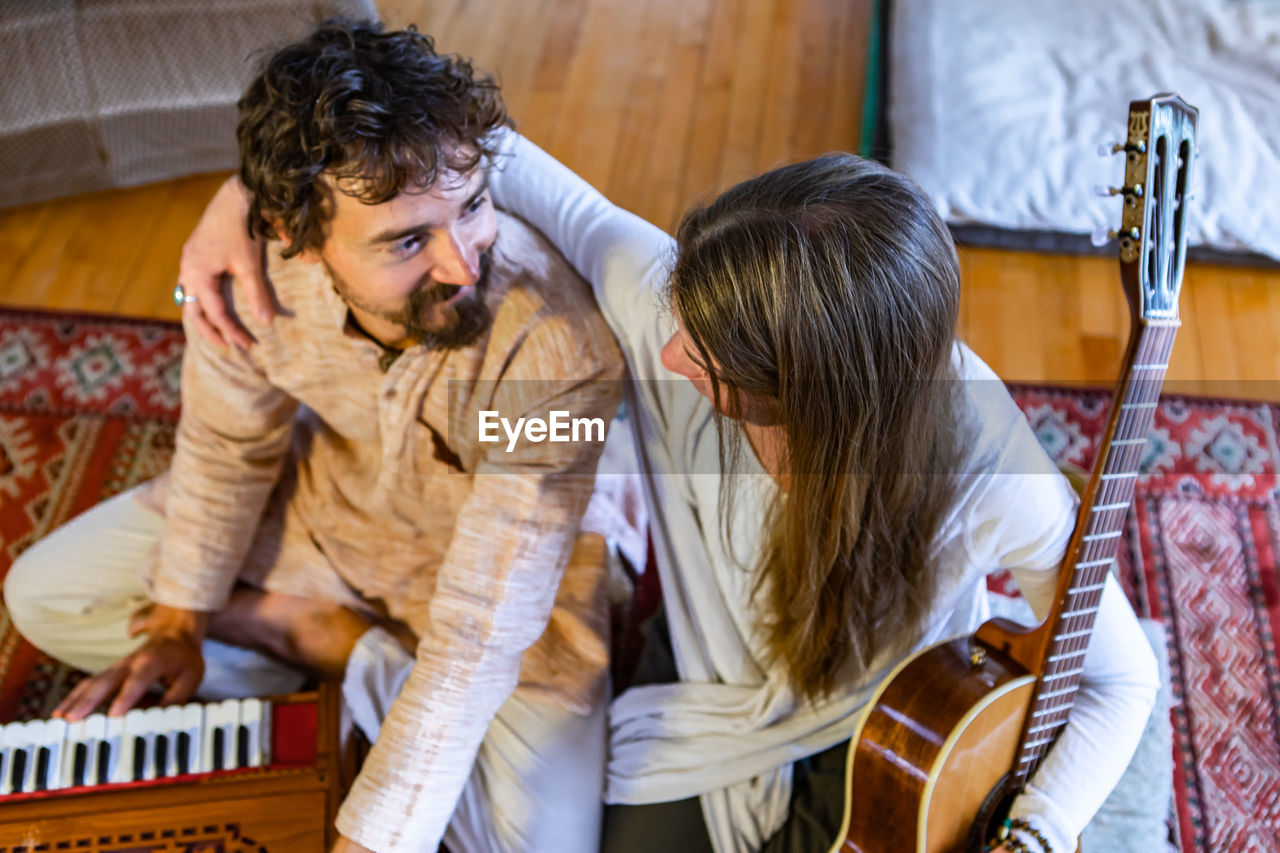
[[1094, 547]]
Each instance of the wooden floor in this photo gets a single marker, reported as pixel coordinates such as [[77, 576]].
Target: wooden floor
[[658, 103]]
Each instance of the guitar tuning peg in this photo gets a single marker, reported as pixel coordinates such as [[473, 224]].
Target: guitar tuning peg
[[1102, 190], [1102, 235], [1106, 149]]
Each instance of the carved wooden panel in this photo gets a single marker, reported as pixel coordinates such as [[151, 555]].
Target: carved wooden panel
[[226, 838], [289, 823]]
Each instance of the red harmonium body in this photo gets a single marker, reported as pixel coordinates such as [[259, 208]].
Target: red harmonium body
[[287, 806]]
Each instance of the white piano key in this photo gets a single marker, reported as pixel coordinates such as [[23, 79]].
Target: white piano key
[[231, 724], [119, 766], [54, 740], [212, 715], [15, 741], [92, 736], [251, 721], [152, 726], [193, 728], [5, 764], [32, 733], [220, 717], [75, 737], [264, 735], [170, 727], [111, 747], [134, 744]]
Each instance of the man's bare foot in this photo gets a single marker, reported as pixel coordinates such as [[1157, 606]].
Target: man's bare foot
[[314, 635]]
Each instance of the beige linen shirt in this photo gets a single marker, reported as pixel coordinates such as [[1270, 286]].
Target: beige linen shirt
[[301, 466]]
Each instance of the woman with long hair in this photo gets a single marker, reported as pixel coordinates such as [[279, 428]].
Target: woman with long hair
[[831, 476]]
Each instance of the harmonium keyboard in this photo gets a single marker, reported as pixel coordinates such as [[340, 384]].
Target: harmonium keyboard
[[240, 776]]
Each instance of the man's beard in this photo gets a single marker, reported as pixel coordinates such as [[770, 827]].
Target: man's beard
[[463, 322]]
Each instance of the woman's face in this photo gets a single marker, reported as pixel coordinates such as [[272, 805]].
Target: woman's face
[[679, 356]]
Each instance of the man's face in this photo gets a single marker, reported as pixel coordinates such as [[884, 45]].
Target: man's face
[[415, 266]]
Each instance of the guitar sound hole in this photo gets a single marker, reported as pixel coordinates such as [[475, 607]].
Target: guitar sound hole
[[993, 811]]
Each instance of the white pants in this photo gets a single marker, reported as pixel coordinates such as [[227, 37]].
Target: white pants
[[539, 774]]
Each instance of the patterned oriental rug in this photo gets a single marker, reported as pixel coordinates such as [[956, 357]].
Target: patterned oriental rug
[[88, 407]]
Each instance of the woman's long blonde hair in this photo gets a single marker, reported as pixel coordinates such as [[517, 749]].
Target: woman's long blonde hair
[[828, 292]]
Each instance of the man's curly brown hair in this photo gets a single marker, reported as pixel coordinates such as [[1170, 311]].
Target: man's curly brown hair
[[374, 112]]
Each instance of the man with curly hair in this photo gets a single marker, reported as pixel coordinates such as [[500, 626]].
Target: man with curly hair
[[333, 507]]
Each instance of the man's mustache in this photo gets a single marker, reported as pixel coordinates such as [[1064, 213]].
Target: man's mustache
[[436, 291]]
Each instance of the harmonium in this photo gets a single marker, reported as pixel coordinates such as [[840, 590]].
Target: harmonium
[[240, 776]]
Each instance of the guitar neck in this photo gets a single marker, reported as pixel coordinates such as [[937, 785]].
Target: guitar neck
[[1103, 510]]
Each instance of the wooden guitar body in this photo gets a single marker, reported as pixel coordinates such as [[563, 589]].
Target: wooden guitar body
[[919, 786]]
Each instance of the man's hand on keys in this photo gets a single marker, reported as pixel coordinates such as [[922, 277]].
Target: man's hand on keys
[[219, 245], [170, 656]]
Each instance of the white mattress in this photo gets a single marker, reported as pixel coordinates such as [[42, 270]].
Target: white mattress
[[997, 107]]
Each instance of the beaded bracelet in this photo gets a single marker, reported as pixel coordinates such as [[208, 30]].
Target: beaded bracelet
[[1014, 845], [1017, 823]]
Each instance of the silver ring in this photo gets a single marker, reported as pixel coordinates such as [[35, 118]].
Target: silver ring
[[181, 297]]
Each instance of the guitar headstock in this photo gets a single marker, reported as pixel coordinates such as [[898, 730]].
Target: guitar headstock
[[1160, 150]]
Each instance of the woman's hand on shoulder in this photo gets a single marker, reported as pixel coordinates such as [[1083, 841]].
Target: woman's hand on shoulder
[[221, 245]]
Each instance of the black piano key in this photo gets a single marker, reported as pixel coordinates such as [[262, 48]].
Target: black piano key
[[139, 758], [80, 765], [161, 757], [242, 746], [219, 748], [104, 763], [41, 780], [18, 769], [184, 752]]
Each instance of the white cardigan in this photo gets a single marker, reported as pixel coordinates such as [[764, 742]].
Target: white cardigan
[[730, 729]]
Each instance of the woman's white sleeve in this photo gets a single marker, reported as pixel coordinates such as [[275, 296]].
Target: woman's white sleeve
[[625, 258]]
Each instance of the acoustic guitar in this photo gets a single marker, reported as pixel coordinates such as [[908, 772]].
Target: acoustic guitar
[[959, 728]]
